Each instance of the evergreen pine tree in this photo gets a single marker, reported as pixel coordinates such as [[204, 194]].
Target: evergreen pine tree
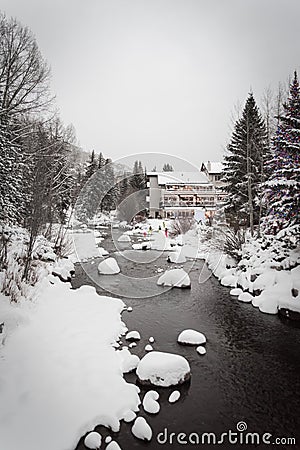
[[137, 180], [282, 190], [92, 166], [167, 168], [244, 166]]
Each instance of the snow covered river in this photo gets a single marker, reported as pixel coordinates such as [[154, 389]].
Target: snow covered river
[[250, 373]]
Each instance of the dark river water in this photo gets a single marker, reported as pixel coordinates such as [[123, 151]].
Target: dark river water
[[250, 373]]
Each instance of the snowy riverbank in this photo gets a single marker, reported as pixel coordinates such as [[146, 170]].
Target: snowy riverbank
[[60, 375], [267, 274]]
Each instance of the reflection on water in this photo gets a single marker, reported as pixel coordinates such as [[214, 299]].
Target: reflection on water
[[250, 372]]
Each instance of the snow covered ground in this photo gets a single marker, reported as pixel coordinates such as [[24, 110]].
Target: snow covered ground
[[60, 375]]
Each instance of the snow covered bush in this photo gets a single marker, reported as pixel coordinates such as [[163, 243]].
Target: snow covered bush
[[13, 254]]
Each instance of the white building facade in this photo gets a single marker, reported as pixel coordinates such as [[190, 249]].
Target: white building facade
[[181, 194]]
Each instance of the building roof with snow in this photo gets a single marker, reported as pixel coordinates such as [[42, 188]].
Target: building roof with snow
[[212, 167], [164, 178]]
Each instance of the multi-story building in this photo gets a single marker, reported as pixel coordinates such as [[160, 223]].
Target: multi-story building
[[213, 170], [183, 194]]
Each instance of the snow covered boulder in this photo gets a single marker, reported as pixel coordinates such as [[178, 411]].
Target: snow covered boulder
[[109, 267], [236, 291], [176, 257], [64, 270], [150, 403], [141, 429], [229, 280], [129, 416], [245, 297], [113, 445], [175, 278], [133, 336], [102, 251], [129, 362], [146, 245], [201, 350], [174, 397], [124, 238], [191, 337], [93, 440], [148, 348], [163, 369]]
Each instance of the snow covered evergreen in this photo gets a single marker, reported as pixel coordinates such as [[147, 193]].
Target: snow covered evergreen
[[282, 189], [244, 166]]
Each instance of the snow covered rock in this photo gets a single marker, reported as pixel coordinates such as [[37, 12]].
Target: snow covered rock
[[191, 337], [163, 369], [175, 278], [201, 350], [174, 397], [141, 429], [151, 339], [124, 238], [108, 439], [150, 403], [129, 416], [64, 270], [102, 251], [176, 257], [133, 336], [93, 440], [229, 280], [236, 291], [142, 246], [113, 445], [148, 348], [129, 362], [109, 267], [245, 297], [133, 344], [129, 309]]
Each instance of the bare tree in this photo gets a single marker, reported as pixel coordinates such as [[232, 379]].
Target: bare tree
[[24, 75]]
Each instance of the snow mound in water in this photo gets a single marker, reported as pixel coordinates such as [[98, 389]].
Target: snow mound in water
[[174, 397], [201, 350], [124, 238], [245, 297], [229, 280], [129, 362], [129, 416], [93, 440], [133, 336], [102, 251], [148, 348], [236, 291], [113, 445], [163, 369], [109, 267], [142, 246], [175, 278], [191, 337], [150, 403], [176, 257], [265, 280], [141, 429]]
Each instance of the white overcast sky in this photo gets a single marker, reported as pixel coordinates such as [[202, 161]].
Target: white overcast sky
[[161, 76]]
